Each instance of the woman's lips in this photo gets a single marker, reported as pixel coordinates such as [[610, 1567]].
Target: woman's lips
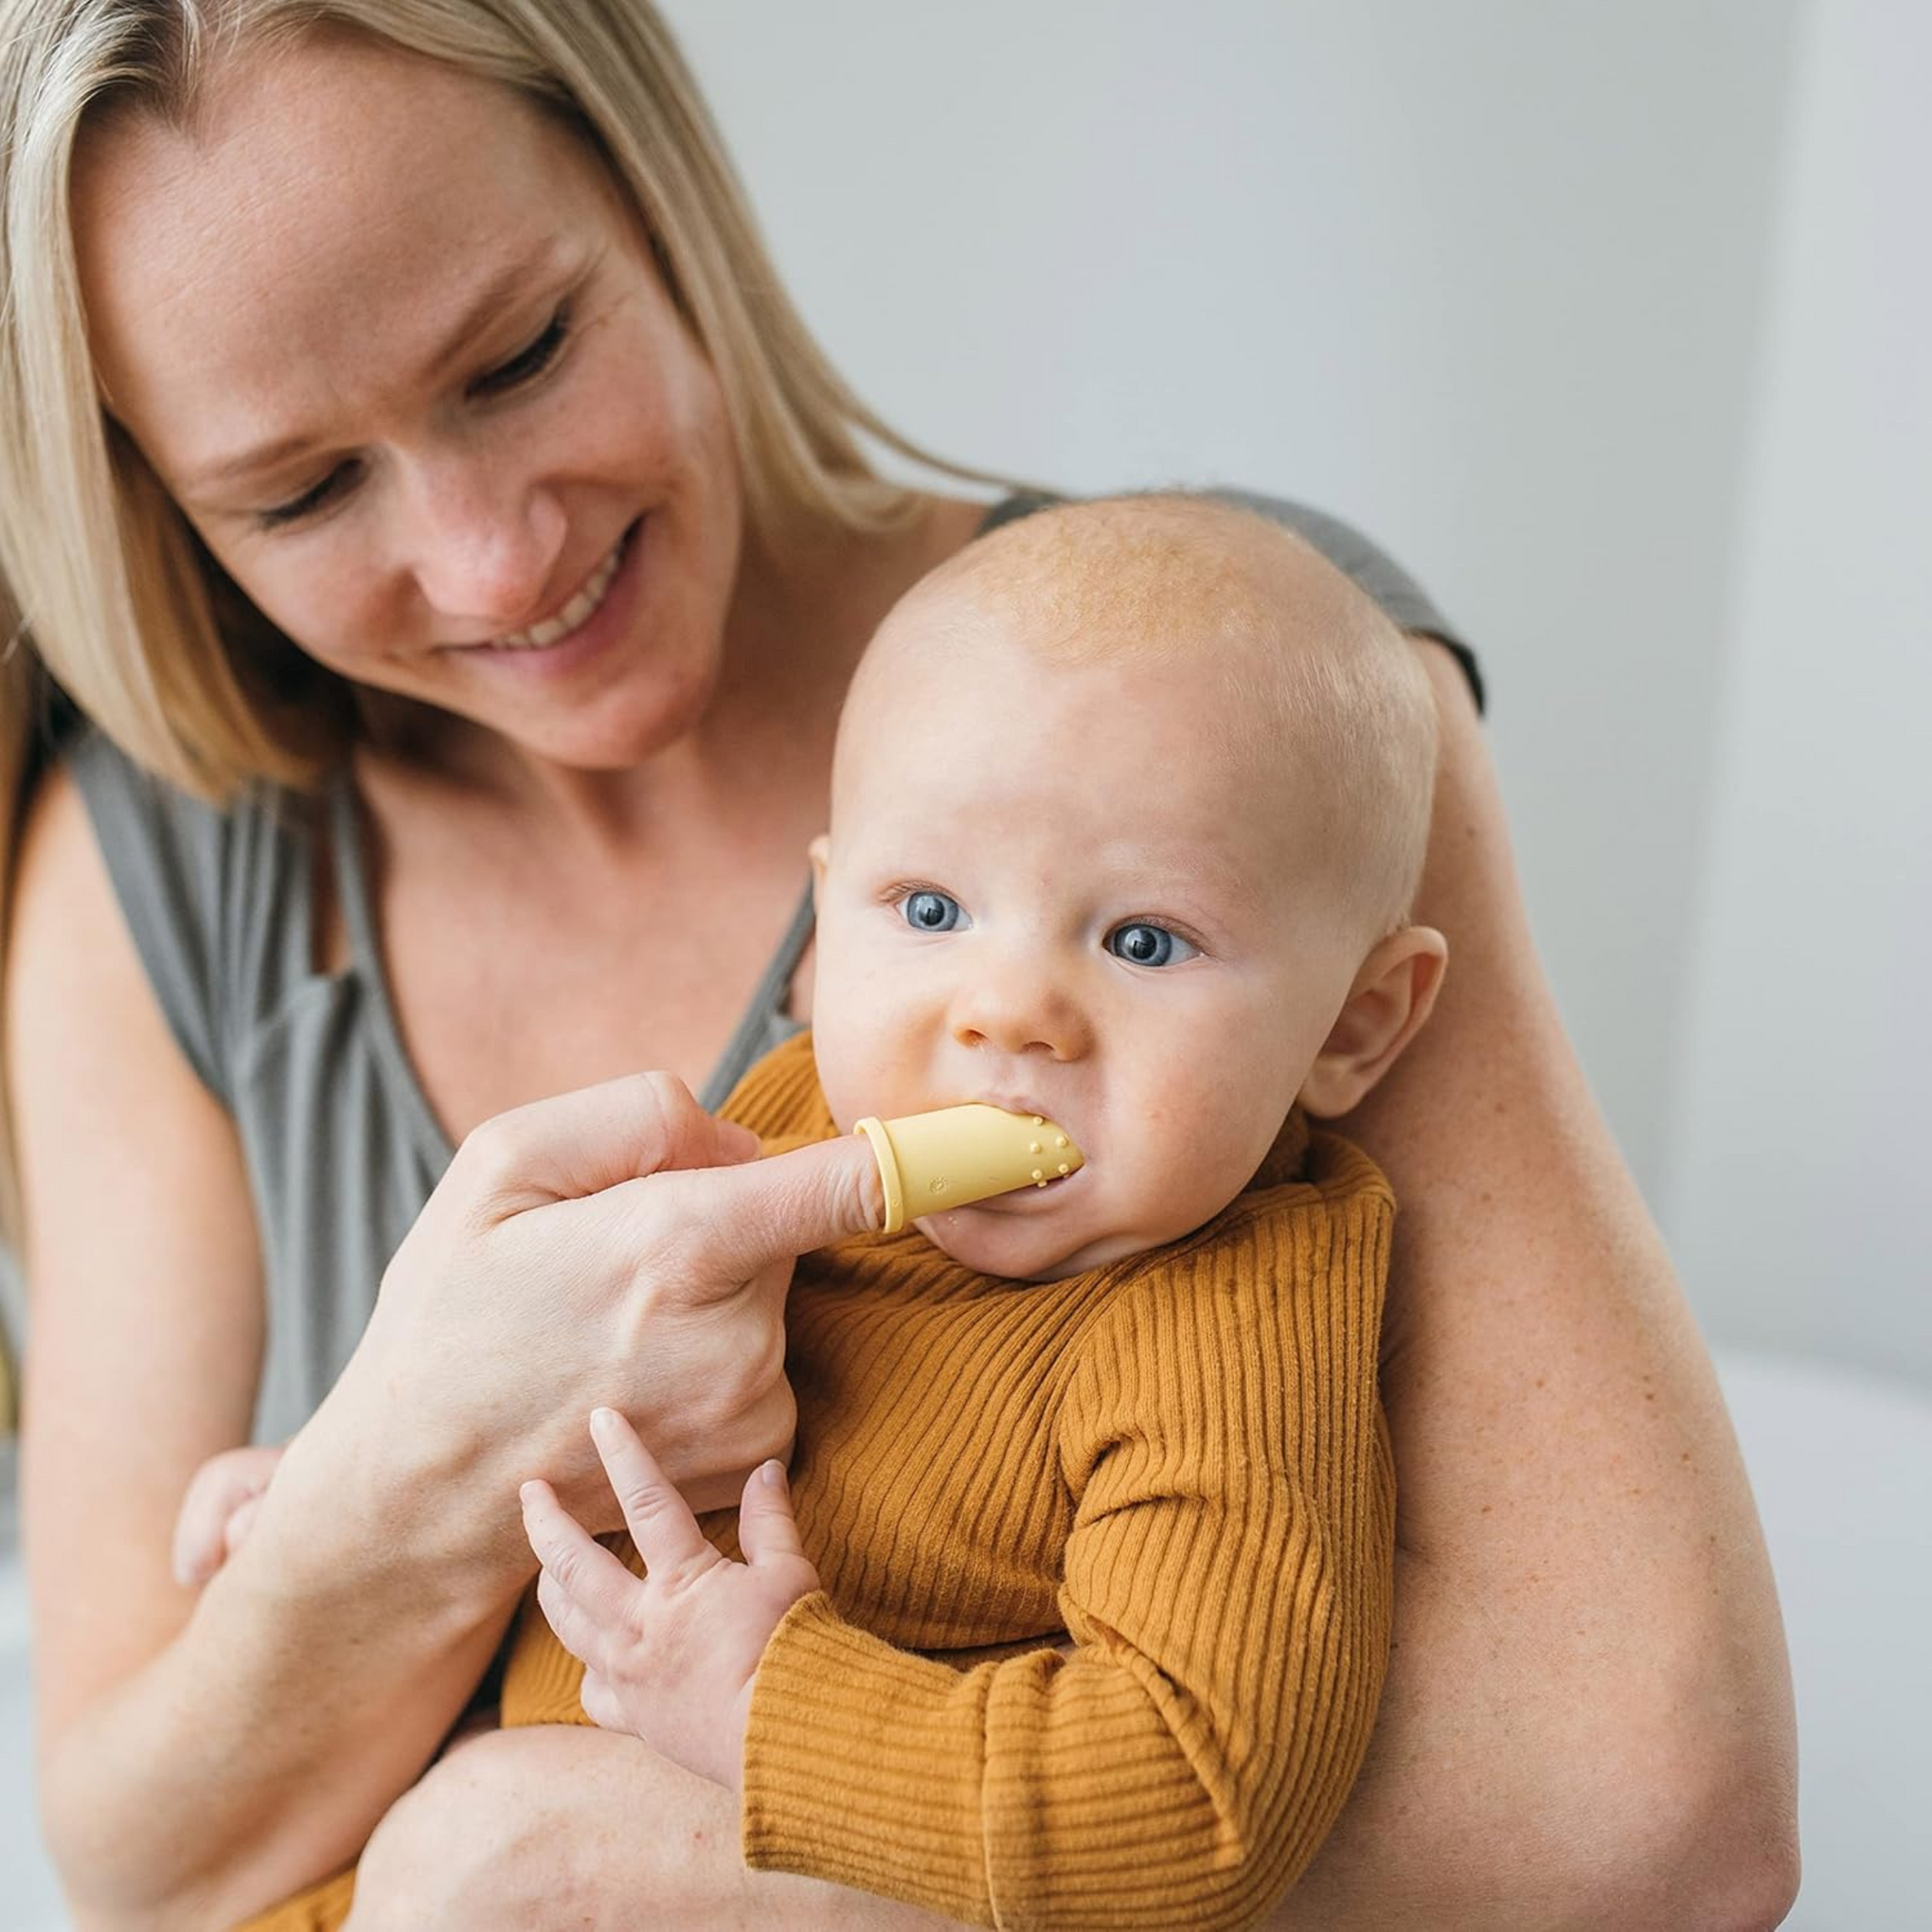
[[579, 611], [596, 612]]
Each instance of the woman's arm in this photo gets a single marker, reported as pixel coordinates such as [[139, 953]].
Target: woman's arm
[[202, 1757], [1587, 1719], [199, 1756], [527, 1830]]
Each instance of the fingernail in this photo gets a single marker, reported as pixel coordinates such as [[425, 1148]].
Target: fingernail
[[772, 1475], [527, 1493], [604, 1423]]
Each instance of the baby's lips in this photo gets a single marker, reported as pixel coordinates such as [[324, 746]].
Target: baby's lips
[[956, 1156]]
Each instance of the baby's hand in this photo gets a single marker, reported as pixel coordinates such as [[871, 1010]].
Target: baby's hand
[[218, 1510], [671, 1658]]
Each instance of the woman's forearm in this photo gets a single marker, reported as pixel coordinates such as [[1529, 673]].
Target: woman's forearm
[[254, 1755], [1588, 1717], [531, 1829], [199, 1755]]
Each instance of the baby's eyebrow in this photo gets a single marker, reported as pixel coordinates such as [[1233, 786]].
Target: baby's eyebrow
[[1191, 873]]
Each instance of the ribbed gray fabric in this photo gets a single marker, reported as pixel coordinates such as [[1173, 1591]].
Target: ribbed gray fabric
[[341, 1144]]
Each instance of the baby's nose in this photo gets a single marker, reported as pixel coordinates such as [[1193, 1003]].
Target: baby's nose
[[1019, 1013]]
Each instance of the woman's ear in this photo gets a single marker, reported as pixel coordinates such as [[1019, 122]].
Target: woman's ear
[[817, 851], [1391, 997]]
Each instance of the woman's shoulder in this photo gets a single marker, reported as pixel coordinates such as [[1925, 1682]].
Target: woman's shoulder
[[214, 896]]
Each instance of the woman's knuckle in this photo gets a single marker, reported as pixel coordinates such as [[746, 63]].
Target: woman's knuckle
[[492, 1156], [670, 1092], [665, 1102]]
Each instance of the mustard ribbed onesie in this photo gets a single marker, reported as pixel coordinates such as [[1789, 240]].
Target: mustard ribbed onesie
[[1177, 1461]]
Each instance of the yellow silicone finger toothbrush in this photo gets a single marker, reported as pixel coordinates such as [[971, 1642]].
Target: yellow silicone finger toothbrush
[[956, 1156]]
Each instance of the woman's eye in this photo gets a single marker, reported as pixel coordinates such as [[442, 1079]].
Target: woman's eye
[[309, 501], [931, 912], [527, 364], [1141, 944]]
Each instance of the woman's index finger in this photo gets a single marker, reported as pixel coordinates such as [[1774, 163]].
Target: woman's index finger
[[660, 1521]]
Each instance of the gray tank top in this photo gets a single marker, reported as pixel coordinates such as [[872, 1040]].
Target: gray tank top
[[340, 1145]]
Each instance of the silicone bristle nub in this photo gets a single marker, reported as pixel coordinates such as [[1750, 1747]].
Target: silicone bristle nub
[[956, 1156]]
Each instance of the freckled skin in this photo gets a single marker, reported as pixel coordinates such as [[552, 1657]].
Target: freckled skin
[[260, 277]]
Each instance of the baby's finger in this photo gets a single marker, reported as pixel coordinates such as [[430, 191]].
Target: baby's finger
[[199, 1544], [659, 1518], [240, 1523], [584, 1572], [767, 1530], [221, 1486], [600, 1703], [576, 1632]]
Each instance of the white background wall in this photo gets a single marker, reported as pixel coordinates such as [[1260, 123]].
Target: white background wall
[[1799, 1176], [1611, 322]]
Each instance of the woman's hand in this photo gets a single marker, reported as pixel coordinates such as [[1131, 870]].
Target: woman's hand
[[617, 1247], [669, 1657]]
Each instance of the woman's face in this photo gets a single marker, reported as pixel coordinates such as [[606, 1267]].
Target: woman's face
[[391, 340]]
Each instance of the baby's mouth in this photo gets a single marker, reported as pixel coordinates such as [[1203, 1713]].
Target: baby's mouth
[[954, 1157], [1058, 1156]]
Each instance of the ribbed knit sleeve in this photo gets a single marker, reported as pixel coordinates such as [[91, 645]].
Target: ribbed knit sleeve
[[1227, 1586]]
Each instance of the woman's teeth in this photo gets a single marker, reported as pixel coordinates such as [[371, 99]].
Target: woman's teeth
[[579, 611]]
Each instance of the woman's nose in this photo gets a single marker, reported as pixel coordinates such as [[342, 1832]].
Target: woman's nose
[[483, 547], [1017, 1010]]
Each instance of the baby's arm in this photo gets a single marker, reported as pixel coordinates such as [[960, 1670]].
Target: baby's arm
[[222, 1497], [1226, 1585]]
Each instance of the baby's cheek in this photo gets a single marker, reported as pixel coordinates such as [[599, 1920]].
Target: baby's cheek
[[862, 1046], [844, 1052], [1194, 1158]]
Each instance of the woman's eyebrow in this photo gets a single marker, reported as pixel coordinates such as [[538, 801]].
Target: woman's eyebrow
[[482, 307]]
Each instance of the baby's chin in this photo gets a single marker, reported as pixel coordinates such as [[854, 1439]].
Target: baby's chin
[[1005, 1240]]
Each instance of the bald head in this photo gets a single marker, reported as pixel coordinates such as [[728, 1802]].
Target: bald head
[[1297, 681]]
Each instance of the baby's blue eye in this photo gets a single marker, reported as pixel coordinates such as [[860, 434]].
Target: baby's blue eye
[[931, 912], [1141, 944]]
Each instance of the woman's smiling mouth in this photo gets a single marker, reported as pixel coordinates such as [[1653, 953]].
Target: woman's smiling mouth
[[582, 606]]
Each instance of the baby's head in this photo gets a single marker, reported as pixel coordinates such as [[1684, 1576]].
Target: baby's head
[[1129, 805]]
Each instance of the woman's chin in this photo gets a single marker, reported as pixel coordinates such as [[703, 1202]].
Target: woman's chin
[[626, 732]]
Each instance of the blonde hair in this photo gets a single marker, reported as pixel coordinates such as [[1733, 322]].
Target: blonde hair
[[1317, 679], [107, 596]]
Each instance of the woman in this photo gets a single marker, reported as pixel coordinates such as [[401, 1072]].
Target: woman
[[439, 448]]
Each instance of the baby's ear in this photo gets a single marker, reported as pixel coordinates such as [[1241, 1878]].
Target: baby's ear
[[1385, 1008], [817, 851]]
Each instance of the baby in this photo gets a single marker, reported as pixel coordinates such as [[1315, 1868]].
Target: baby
[[1076, 1607]]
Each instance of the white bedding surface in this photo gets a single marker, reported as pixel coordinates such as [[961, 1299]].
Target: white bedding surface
[[1842, 1463]]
